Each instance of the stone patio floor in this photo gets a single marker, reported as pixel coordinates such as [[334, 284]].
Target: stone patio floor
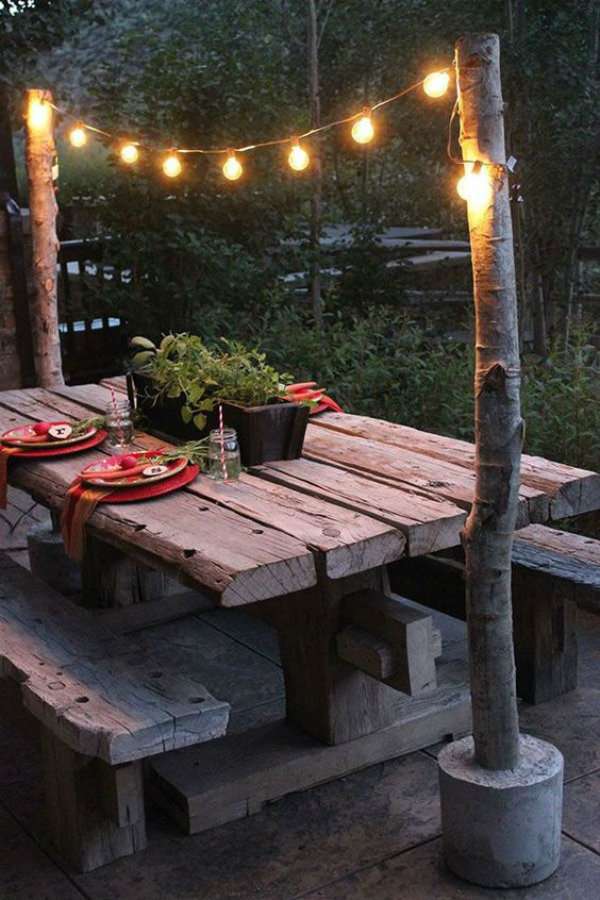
[[374, 835]]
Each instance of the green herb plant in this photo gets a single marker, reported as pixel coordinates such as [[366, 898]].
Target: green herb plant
[[183, 366]]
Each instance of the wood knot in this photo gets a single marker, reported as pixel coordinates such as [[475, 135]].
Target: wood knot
[[495, 378]]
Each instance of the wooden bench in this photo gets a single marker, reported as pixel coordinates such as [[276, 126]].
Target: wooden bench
[[553, 572], [103, 706]]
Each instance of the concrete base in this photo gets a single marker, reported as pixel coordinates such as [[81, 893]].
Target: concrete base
[[502, 829], [50, 563]]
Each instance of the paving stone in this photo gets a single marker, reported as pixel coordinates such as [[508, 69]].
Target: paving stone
[[581, 813], [420, 874], [290, 848], [26, 873], [571, 723]]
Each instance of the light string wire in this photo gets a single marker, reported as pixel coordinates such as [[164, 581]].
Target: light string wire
[[257, 145]]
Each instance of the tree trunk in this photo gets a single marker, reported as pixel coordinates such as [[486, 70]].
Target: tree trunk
[[498, 426], [8, 172], [317, 175], [39, 156]]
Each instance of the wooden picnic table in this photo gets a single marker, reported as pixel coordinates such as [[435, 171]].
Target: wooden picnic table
[[291, 541]]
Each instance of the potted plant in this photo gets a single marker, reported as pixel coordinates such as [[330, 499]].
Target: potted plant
[[180, 383]]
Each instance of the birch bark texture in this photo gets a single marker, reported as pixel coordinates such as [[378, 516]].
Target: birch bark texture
[[488, 532], [40, 152]]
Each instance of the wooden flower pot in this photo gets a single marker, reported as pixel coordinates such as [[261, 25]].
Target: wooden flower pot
[[273, 431]]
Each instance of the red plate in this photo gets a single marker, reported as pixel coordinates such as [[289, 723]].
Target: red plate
[[96, 439], [147, 491], [126, 480]]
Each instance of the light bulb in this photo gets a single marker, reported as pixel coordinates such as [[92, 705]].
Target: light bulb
[[362, 130], [298, 158], [436, 84], [39, 114], [78, 136], [172, 166], [129, 153], [232, 168], [474, 187]]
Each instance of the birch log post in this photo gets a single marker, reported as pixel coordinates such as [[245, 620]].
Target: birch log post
[[487, 536], [40, 152], [501, 792]]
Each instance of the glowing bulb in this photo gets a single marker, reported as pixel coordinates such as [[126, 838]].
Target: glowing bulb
[[232, 168], [436, 84], [172, 166], [474, 187], [78, 136], [39, 114], [129, 153], [362, 130], [298, 158]]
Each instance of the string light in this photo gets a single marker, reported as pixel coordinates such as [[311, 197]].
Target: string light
[[362, 130], [172, 165], [129, 154], [298, 158], [475, 186], [38, 114], [78, 136], [436, 84], [232, 168]]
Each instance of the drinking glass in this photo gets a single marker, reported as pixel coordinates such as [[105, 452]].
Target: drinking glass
[[224, 463], [119, 425]]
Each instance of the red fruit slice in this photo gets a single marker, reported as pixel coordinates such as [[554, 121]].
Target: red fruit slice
[[60, 431]]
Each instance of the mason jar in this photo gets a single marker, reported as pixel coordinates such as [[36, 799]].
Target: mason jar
[[118, 418], [224, 463]]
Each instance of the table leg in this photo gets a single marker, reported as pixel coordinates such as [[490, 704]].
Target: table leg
[[326, 697], [339, 719], [110, 578]]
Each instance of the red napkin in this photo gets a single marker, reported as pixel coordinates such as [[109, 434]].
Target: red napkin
[[5, 454]]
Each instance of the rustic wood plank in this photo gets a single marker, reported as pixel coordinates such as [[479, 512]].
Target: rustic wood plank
[[572, 491], [429, 523], [576, 557], [100, 694], [239, 774], [200, 543], [349, 540], [400, 466]]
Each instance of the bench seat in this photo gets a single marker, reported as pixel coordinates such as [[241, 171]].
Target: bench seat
[[104, 705], [573, 558]]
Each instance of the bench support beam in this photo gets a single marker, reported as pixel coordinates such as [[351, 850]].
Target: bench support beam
[[89, 834]]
